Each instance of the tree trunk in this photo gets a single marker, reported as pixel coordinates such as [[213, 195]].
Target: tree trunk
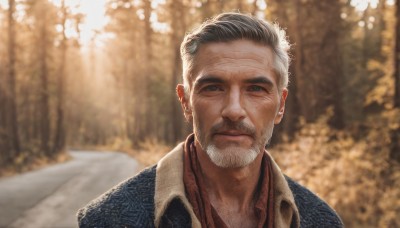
[[178, 25], [148, 113], [44, 94], [4, 142], [395, 133], [239, 5], [59, 140], [221, 5], [12, 95], [396, 72], [206, 9], [281, 10], [318, 61], [254, 8]]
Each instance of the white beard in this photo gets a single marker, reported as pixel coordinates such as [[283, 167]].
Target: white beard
[[237, 157], [232, 157]]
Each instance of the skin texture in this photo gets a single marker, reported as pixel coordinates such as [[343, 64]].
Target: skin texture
[[234, 103]]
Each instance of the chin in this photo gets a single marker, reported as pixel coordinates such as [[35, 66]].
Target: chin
[[231, 157]]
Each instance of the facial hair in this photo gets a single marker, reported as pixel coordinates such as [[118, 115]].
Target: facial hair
[[233, 156]]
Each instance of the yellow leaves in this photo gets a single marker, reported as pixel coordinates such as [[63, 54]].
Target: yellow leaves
[[394, 126], [390, 203], [383, 92], [154, 145], [355, 177], [151, 151], [26, 162], [121, 144], [393, 117], [382, 71], [375, 65], [20, 160]]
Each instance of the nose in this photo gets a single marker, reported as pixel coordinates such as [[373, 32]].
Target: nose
[[233, 109]]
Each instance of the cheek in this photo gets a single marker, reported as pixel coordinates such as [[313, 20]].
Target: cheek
[[205, 113], [205, 107], [262, 115]]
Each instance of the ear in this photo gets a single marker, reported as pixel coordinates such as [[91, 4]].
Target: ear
[[185, 104], [281, 111]]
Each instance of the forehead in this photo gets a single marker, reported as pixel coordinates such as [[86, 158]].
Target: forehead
[[239, 57]]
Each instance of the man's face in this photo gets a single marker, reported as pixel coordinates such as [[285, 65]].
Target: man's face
[[234, 101]]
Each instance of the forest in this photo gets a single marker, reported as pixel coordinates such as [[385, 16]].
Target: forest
[[69, 79]]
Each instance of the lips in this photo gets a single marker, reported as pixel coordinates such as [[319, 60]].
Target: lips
[[233, 130], [232, 133]]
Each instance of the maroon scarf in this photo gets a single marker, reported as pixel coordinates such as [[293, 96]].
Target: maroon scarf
[[198, 197]]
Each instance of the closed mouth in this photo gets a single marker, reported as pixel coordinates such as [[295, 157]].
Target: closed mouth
[[232, 133]]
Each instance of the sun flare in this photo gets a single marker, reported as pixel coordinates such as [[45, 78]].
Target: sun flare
[[94, 17], [92, 24]]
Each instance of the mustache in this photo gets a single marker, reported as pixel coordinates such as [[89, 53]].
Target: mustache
[[227, 125]]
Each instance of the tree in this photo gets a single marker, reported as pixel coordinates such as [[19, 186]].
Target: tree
[[395, 133], [283, 13], [11, 101], [60, 131], [149, 72], [396, 72], [318, 60], [44, 81], [4, 142], [178, 27]]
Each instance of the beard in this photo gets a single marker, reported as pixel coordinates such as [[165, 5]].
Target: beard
[[233, 156]]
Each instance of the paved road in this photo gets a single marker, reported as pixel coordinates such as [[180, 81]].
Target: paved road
[[50, 197]]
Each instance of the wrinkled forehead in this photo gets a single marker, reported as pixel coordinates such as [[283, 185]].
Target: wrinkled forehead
[[236, 56]]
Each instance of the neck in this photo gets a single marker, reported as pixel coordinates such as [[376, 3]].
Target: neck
[[232, 187]]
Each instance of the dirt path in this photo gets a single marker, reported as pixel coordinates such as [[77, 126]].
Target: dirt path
[[51, 196]]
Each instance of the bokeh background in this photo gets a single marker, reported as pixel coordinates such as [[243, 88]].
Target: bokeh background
[[102, 74]]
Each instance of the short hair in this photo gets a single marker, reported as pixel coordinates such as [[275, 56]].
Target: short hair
[[227, 27]]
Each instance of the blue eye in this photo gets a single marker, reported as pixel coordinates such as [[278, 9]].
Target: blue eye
[[255, 88], [212, 88]]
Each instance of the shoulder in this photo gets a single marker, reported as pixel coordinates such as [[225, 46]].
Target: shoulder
[[129, 204], [314, 212]]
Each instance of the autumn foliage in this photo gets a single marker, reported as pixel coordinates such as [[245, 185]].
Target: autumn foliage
[[352, 171], [340, 135]]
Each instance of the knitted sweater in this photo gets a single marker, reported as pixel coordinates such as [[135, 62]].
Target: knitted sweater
[[136, 203]]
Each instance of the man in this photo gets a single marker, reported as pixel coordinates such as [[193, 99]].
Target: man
[[235, 73]]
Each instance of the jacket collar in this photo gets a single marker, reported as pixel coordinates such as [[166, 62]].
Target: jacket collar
[[169, 185]]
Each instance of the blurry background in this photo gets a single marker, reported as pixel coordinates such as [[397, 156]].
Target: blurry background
[[102, 74]]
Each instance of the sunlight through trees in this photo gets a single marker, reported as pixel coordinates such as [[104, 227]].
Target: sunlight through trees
[[79, 73]]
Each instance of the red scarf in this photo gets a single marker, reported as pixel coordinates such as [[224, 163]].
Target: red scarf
[[198, 197]]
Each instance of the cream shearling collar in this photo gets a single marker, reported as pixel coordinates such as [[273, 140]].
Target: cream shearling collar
[[169, 185]]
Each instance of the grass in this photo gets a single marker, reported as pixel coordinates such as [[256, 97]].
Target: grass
[[25, 163]]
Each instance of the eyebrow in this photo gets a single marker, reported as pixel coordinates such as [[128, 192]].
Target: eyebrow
[[213, 79], [208, 79], [259, 80]]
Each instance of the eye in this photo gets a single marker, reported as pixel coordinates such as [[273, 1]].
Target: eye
[[256, 88], [211, 88]]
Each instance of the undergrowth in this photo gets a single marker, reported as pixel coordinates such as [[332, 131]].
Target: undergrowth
[[350, 169], [354, 175], [31, 161]]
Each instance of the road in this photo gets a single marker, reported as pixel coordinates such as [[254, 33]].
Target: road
[[50, 197]]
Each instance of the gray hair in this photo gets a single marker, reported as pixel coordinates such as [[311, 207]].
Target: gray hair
[[234, 26]]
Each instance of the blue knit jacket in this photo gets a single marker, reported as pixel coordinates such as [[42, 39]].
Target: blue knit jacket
[[131, 204]]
